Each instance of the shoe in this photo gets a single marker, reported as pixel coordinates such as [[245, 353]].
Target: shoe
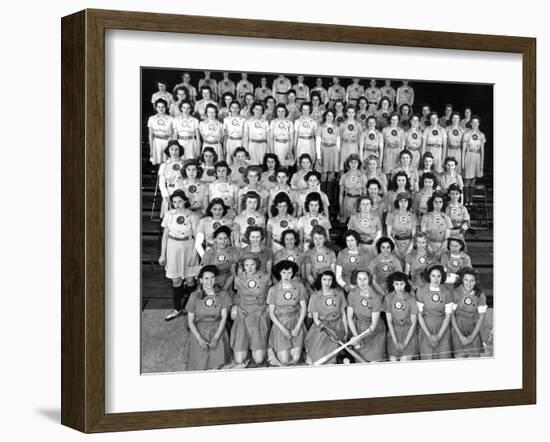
[[172, 315]]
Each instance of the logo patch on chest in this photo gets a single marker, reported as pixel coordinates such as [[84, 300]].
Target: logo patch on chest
[[398, 305], [192, 188], [251, 221], [222, 258], [414, 136], [455, 132], [209, 302], [320, 258], [353, 259], [210, 172], [180, 219], [468, 300], [455, 263], [283, 223], [371, 136], [176, 167], [475, 137], [314, 222], [330, 302], [287, 296], [252, 283], [436, 297], [394, 133], [364, 303]]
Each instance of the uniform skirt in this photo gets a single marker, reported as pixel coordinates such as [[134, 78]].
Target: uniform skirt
[[391, 158], [346, 149], [283, 152], [211, 358], [415, 158], [456, 152], [157, 150], [190, 148], [181, 259], [437, 152], [306, 145], [330, 159], [280, 342], [443, 349], [230, 147], [317, 342], [373, 346], [472, 165], [250, 331], [467, 326], [349, 205], [401, 331], [257, 152]]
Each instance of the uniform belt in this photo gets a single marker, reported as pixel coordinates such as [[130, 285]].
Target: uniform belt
[[186, 138], [162, 137], [259, 141], [305, 137], [282, 140], [328, 144], [413, 148], [403, 237], [453, 147], [434, 145], [368, 242], [281, 93], [373, 102], [171, 185], [350, 195], [349, 140], [235, 138], [473, 150], [185, 238]]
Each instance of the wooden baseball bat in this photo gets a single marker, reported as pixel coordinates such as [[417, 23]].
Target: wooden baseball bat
[[343, 345]]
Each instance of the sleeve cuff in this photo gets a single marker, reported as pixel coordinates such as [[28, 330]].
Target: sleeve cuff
[[449, 308], [482, 309], [420, 306]]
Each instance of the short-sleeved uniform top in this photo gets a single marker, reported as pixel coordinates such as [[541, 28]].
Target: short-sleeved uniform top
[[381, 267], [453, 263], [294, 255], [278, 225], [372, 141], [243, 220], [224, 259], [207, 226], [234, 126], [402, 224], [353, 182], [307, 222], [435, 225], [433, 302], [251, 291], [286, 300], [209, 308], [179, 225], [329, 307], [320, 259], [162, 126], [169, 175], [418, 263], [185, 127], [226, 191], [400, 308], [366, 227], [364, 306], [446, 180], [350, 261], [195, 191], [468, 304], [265, 254], [458, 215]]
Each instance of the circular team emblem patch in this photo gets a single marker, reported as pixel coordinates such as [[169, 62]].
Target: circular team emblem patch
[[394, 133], [474, 137], [386, 268], [435, 132], [224, 188], [371, 136], [398, 305], [281, 81], [210, 172], [300, 88], [353, 259], [339, 119], [468, 300], [272, 178], [209, 302], [455, 262], [176, 167], [257, 124], [403, 219], [252, 283], [454, 210], [365, 222], [192, 188], [455, 132], [245, 86], [281, 125], [364, 303], [320, 258], [211, 127], [242, 169], [330, 130], [385, 115], [414, 136], [287, 296], [436, 297], [330, 302], [284, 223], [235, 122], [216, 225], [251, 221], [185, 123], [422, 260], [351, 127], [305, 124], [222, 258], [161, 122], [314, 222], [180, 219], [354, 179], [363, 117], [438, 221], [291, 258]]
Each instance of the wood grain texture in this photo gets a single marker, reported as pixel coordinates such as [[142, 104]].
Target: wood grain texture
[[83, 219]]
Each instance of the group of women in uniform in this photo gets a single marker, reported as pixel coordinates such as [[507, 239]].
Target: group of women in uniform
[[246, 222]]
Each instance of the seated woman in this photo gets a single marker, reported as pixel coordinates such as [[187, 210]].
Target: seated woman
[[287, 301], [224, 257], [319, 257], [367, 224], [291, 252], [427, 185], [252, 179], [450, 175], [385, 263], [436, 223], [350, 259], [401, 224], [207, 312], [418, 259], [250, 216], [215, 217], [363, 312], [313, 217], [195, 190], [402, 316], [327, 306], [454, 258], [470, 307], [254, 237], [281, 219]]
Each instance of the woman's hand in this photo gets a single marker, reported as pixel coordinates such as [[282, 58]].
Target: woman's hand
[[464, 340], [286, 333], [434, 340], [214, 341], [295, 331], [162, 260], [203, 344], [399, 347]]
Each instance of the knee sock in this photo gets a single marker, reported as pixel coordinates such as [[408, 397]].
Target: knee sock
[[177, 297]]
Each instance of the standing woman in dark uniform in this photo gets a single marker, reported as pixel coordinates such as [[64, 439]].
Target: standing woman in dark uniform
[[435, 307], [473, 148], [418, 259], [470, 307], [401, 315], [367, 225], [401, 224]]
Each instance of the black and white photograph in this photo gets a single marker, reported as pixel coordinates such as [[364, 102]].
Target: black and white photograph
[[293, 220]]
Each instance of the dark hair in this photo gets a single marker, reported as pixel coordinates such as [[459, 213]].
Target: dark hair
[[282, 106], [450, 159], [457, 239], [409, 201], [290, 232], [235, 102], [211, 150], [455, 113], [433, 113], [253, 257], [394, 114], [437, 194], [398, 276], [213, 203], [285, 265], [269, 97], [188, 163], [429, 175], [204, 86], [469, 271], [362, 198], [222, 163], [273, 157], [353, 233], [393, 183], [281, 197], [181, 194], [251, 229], [319, 230], [350, 106], [312, 173], [222, 229], [186, 101], [475, 117], [284, 170], [384, 99], [173, 143], [305, 103], [241, 149], [228, 94], [350, 158], [355, 272], [314, 196], [406, 152], [291, 91], [421, 162], [403, 105], [252, 168], [371, 117], [211, 106], [315, 94], [318, 285], [252, 194], [161, 100], [382, 240], [305, 156], [376, 182], [258, 103], [429, 270], [325, 113], [210, 268], [180, 88], [454, 188]]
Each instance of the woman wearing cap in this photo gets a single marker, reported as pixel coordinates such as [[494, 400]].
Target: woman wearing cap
[[250, 216], [434, 140], [349, 136], [460, 218], [401, 224], [313, 217], [405, 159], [352, 186], [367, 225], [211, 130], [327, 306], [305, 130], [418, 259], [455, 134], [233, 129], [413, 140], [374, 191], [270, 165], [319, 256], [215, 217], [281, 219], [385, 263], [223, 188], [373, 171], [400, 183], [450, 175], [291, 252], [371, 142], [454, 258], [401, 315], [305, 166], [350, 259], [207, 315], [255, 135], [161, 127], [365, 305], [194, 189], [254, 237], [470, 307], [328, 150], [313, 180], [394, 142], [283, 175], [436, 223], [427, 185], [170, 173], [281, 136], [239, 166], [250, 329], [252, 177], [287, 301], [186, 131], [178, 256], [473, 147], [208, 158], [435, 306]]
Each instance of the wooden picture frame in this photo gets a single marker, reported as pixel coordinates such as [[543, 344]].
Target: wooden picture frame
[[83, 220]]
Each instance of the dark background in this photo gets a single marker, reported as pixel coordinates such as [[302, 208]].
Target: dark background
[[437, 94]]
